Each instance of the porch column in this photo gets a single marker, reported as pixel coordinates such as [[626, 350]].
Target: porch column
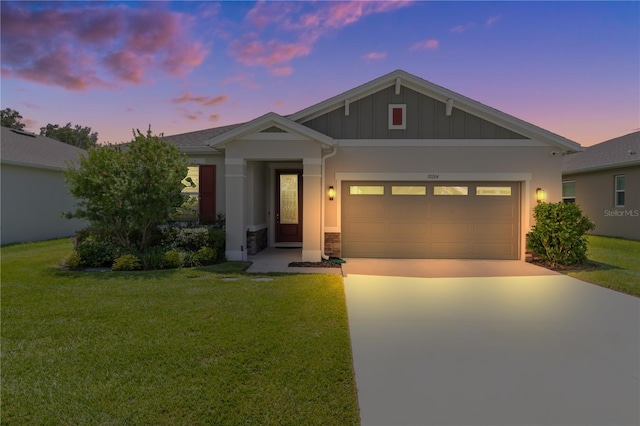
[[311, 199], [235, 225]]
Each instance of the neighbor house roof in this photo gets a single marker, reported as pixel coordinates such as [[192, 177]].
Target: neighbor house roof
[[622, 151], [28, 149]]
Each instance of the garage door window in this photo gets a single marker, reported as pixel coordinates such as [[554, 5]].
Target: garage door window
[[496, 191], [366, 190], [450, 190], [408, 190]]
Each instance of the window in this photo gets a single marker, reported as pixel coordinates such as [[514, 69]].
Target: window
[[450, 190], [189, 210], [366, 190], [496, 191], [569, 191], [408, 190], [397, 116], [619, 194]]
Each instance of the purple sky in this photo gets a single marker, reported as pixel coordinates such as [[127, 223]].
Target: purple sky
[[572, 68]]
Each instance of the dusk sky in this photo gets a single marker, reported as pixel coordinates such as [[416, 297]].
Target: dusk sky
[[572, 68]]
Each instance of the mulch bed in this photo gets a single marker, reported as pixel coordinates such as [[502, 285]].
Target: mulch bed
[[323, 264], [561, 268]]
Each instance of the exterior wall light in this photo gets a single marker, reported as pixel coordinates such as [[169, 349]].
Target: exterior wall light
[[541, 195], [332, 193]]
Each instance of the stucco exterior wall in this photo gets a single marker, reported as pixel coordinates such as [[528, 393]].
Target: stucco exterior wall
[[32, 202], [595, 192]]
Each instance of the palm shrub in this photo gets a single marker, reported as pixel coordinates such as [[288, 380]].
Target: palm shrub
[[559, 235]]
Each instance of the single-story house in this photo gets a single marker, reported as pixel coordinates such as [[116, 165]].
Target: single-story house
[[395, 168], [604, 181], [34, 193]]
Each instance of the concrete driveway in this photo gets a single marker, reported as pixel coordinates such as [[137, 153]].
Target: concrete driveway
[[533, 348]]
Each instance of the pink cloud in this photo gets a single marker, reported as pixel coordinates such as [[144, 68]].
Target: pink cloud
[[202, 100], [243, 79], [306, 27], [281, 71], [492, 20], [374, 56], [461, 28], [431, 44], [214, 118], [251, 51], [56, 46]]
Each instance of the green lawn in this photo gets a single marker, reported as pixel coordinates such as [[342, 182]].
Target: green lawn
[[618, 261], [182, 346]]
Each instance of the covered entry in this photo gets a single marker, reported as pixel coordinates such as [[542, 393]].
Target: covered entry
[[422, 220]]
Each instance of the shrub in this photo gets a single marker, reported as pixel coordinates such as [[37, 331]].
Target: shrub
[[216, 241], [128, 191], [95, 253], [171, 260], [153, 258], [72, 261], [207, 256], [559, 233], [127, 262], [191, 259], [192, 239]]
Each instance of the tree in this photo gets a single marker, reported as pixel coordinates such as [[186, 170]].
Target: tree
[[126, 192], [11, 119], [559, 233], [77, 136]]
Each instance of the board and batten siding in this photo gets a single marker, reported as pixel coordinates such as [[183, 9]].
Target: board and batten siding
[[426, 119]]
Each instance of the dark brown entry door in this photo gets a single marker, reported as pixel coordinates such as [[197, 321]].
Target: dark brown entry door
[[288, 206], [207, 193]]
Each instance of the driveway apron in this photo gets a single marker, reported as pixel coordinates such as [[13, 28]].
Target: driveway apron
[[541, 349]]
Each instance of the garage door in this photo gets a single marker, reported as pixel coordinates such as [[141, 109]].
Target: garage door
[[431, 220]]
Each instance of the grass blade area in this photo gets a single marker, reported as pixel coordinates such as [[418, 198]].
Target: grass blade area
[[618, 262], [182, 346]]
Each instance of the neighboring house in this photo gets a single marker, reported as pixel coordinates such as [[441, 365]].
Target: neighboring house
[[604, 181], [33, 192], [396, 168]]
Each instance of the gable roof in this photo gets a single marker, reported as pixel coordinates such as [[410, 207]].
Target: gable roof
[[439, 93], [31, 150], [265, 122], [622, 151]]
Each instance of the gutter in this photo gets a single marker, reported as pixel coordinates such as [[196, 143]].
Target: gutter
[[323, 255]]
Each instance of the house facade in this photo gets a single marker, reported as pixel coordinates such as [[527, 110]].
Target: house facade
[[34, 193], [395, 168], [604, 181]]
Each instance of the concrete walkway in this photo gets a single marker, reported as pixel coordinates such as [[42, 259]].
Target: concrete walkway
[[508, 350], [278, 259]]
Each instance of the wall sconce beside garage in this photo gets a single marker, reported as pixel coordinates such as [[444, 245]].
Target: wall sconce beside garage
[[332, 193], [541, 195]]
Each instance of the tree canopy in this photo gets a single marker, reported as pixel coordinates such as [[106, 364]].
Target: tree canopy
[[79, 136], [11, 119]]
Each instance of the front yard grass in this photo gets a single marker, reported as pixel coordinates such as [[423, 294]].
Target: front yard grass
[[188, 346], [618, 264]]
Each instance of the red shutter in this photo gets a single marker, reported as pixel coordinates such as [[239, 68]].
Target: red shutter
[[207, 193]]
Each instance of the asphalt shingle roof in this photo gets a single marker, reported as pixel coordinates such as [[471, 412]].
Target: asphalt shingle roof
[[618, 152], [199, 138], [18, 147]]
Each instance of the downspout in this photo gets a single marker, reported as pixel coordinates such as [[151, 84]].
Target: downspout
[[324, 196]]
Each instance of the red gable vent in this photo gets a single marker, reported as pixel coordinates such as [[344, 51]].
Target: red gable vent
[[397, 116]]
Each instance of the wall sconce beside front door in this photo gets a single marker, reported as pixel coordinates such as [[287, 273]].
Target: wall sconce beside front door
[[541, 195], [332, 193]]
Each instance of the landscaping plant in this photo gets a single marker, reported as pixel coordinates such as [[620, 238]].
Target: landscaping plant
[[126, 192], [559, 235]]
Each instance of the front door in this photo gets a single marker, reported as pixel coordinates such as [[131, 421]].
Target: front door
[[288, 206]]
